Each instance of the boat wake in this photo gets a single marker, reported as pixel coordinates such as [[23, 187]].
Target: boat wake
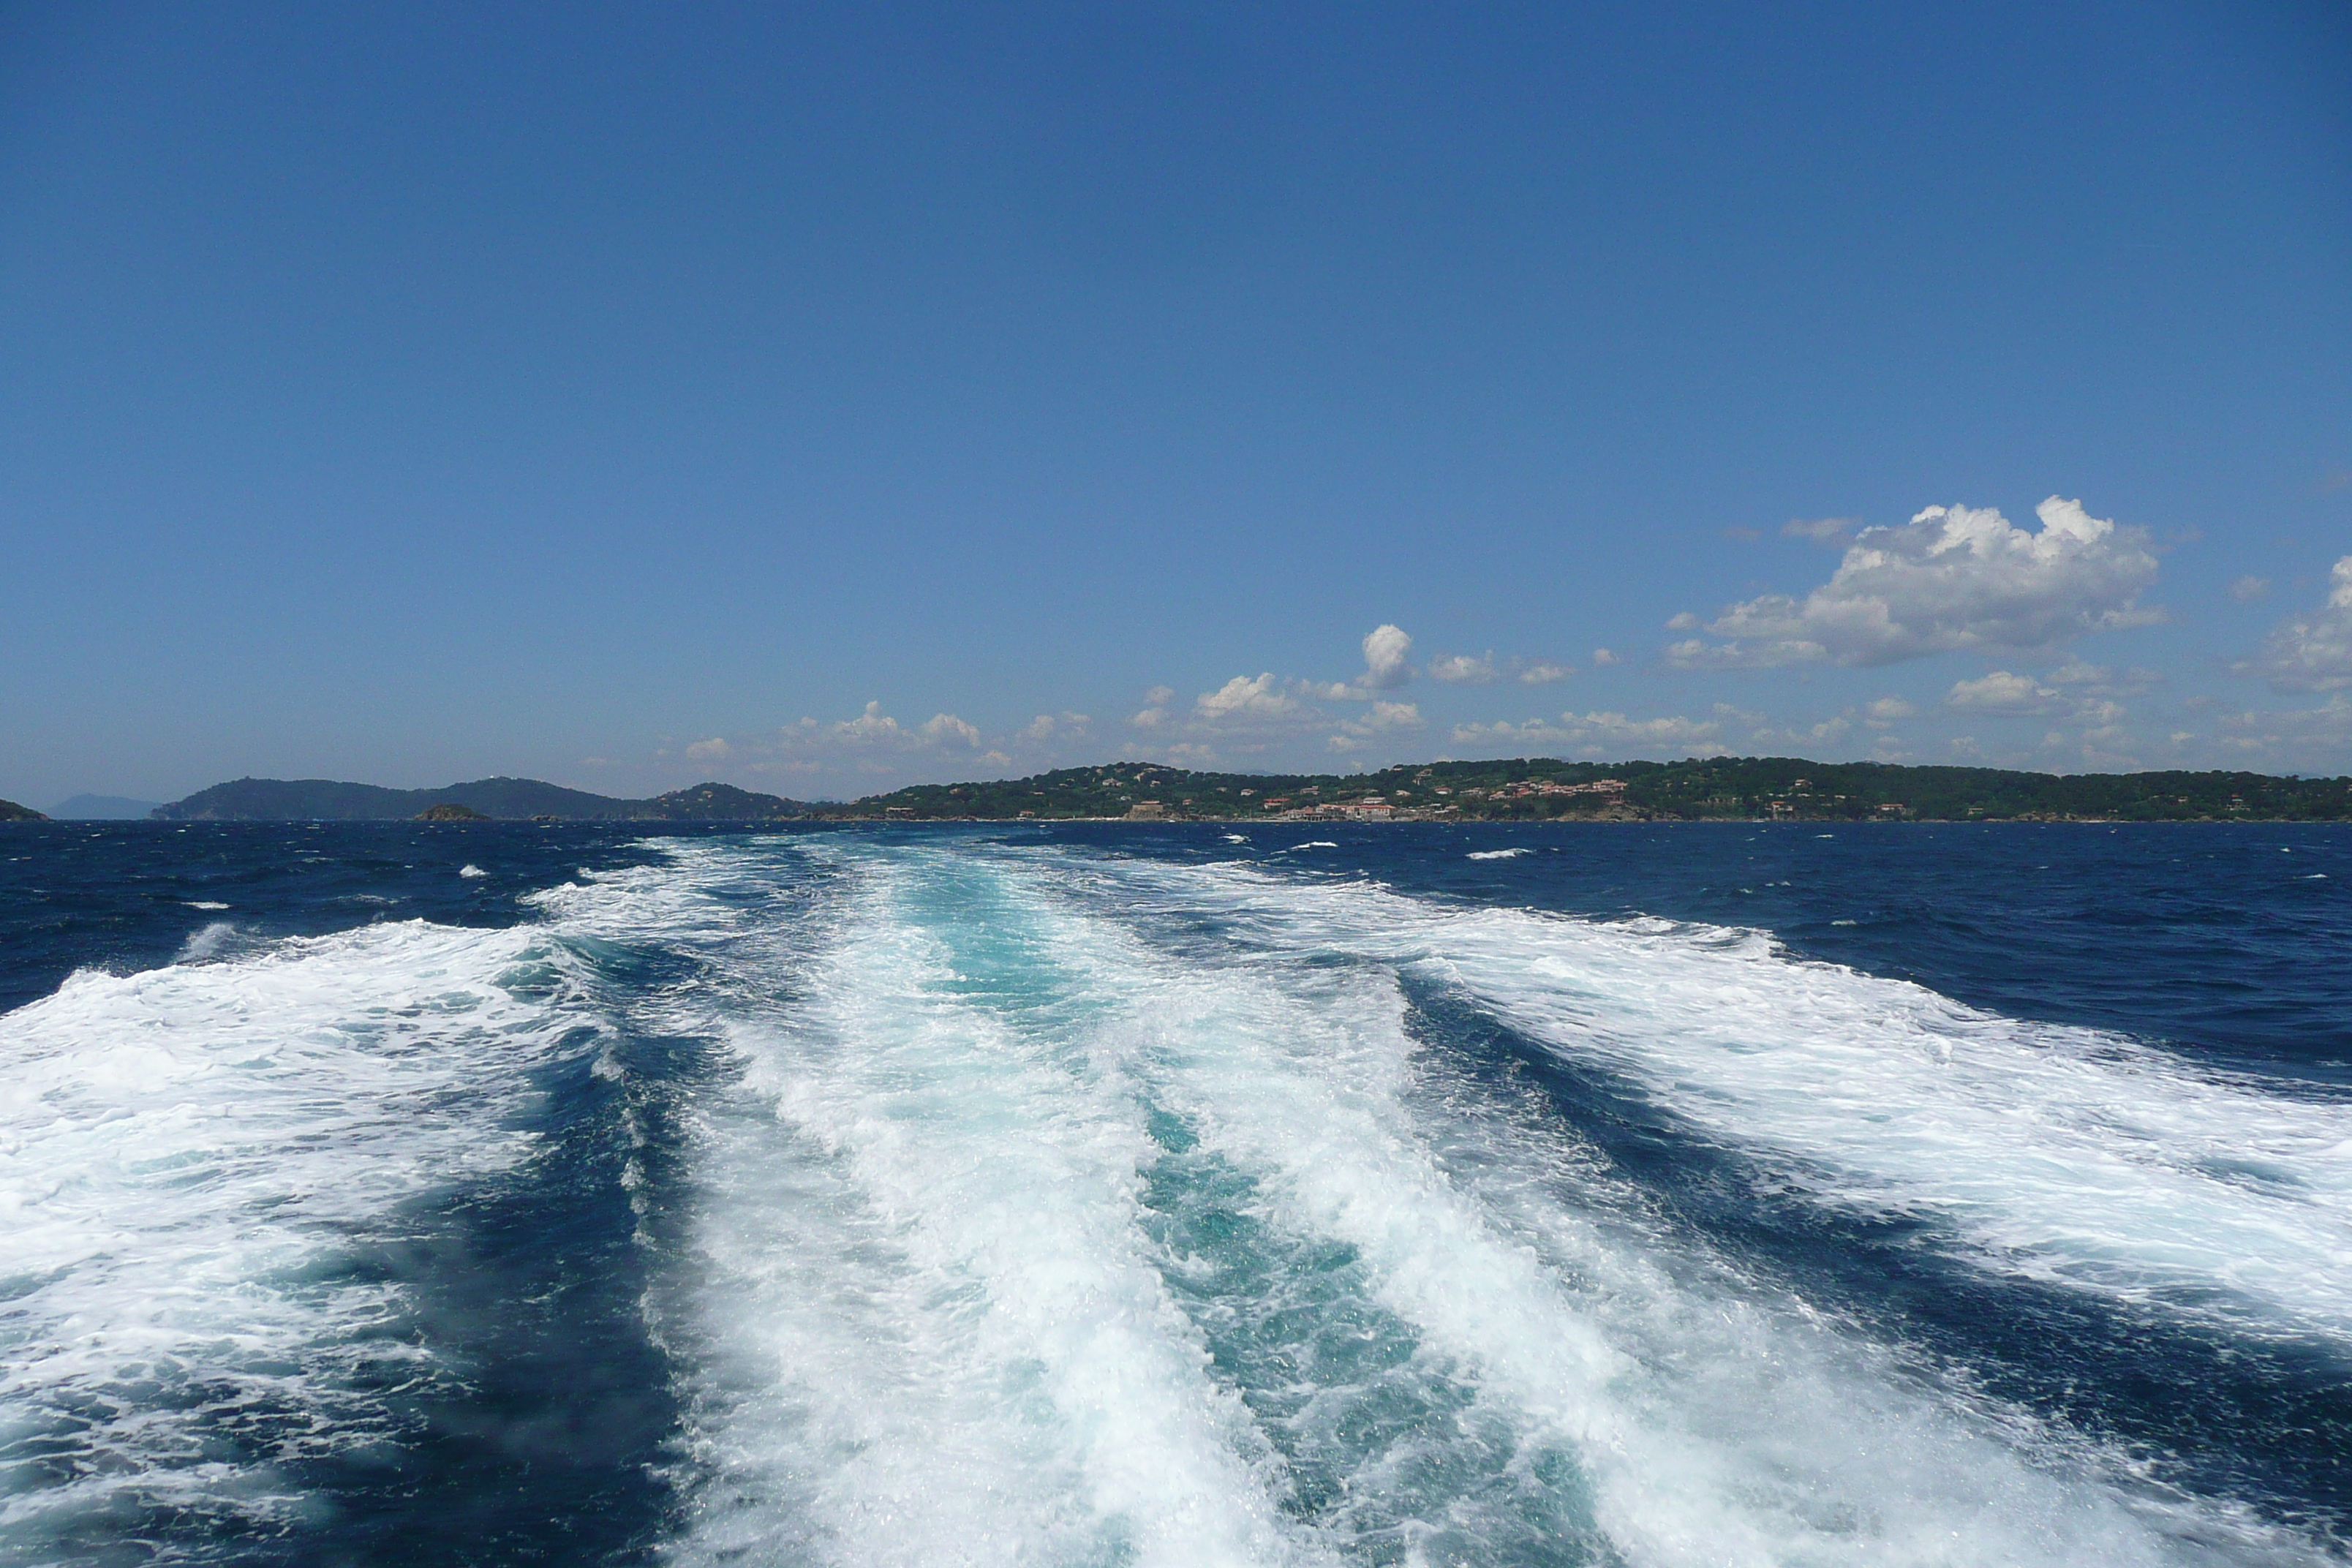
[[1002, 1204]]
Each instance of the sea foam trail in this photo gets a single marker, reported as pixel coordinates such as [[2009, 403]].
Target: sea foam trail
[[182, 1152], [1707, 1420], [1026, 1237], [2060, 1154], [930, 1325]]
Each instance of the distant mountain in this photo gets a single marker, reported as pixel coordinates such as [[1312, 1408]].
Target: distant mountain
[[328, 800], [101, 808], [11, 812]]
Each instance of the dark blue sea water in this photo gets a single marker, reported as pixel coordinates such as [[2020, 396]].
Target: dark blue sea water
[[1596, 1194]]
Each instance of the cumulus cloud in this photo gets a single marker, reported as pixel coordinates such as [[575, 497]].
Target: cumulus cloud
[[1820, 529], [1953, 577], [1046, 726], [1542, 671], [874, 730], [1155, 708], [947, 726], [1602, 658], [714, 749], [2312, 652], [868, 728], [1462, 669], [1385, 648], [1886, 710], [1244, 697], [2002, 693]]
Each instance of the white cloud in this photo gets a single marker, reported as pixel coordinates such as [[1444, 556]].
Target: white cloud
[[1543, 672], [1602, 657], [868, 728], [1244, 697], [1886, 710], [2246, 590], [1038, 729], [996, 759], [2313, 652], [874, 730], [1461, 668], [1385, 648], [2002, 693], [1161, 696], [711, 750], [1953, 577], [942, 726], [1820, 529]]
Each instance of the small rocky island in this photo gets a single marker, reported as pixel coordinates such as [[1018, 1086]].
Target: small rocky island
[[450, 811]]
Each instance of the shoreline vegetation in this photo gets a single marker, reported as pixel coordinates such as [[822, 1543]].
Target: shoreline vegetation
[[1525, 789]]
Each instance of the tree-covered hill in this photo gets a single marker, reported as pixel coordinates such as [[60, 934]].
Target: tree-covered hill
[[326, 800], [11, 812], [1521, 789], [1542, 788]]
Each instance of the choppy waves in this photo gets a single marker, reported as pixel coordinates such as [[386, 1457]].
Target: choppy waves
[[186, 1154], [1012, 1205]]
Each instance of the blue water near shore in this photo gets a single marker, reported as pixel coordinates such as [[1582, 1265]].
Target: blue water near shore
[[1600, 1194]]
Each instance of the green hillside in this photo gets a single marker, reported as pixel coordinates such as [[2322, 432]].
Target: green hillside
[[1541, 788]]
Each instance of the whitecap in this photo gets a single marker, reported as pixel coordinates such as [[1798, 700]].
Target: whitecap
[[941, 1301], [469, 869], [1510, 854], [1879, 1096], [182, 1152], [204, 904]]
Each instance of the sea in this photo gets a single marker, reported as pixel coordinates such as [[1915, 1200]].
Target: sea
[[1183, 1195]]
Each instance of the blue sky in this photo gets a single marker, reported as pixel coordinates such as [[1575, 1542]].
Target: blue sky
[[825, 399]]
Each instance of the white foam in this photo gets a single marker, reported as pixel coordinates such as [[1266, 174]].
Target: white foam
[[931, 1330], [470, 870], [1511, 854], [181, 1149], [929, 1321], [204, 904], [2059, 1154], [1716, 1421]]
